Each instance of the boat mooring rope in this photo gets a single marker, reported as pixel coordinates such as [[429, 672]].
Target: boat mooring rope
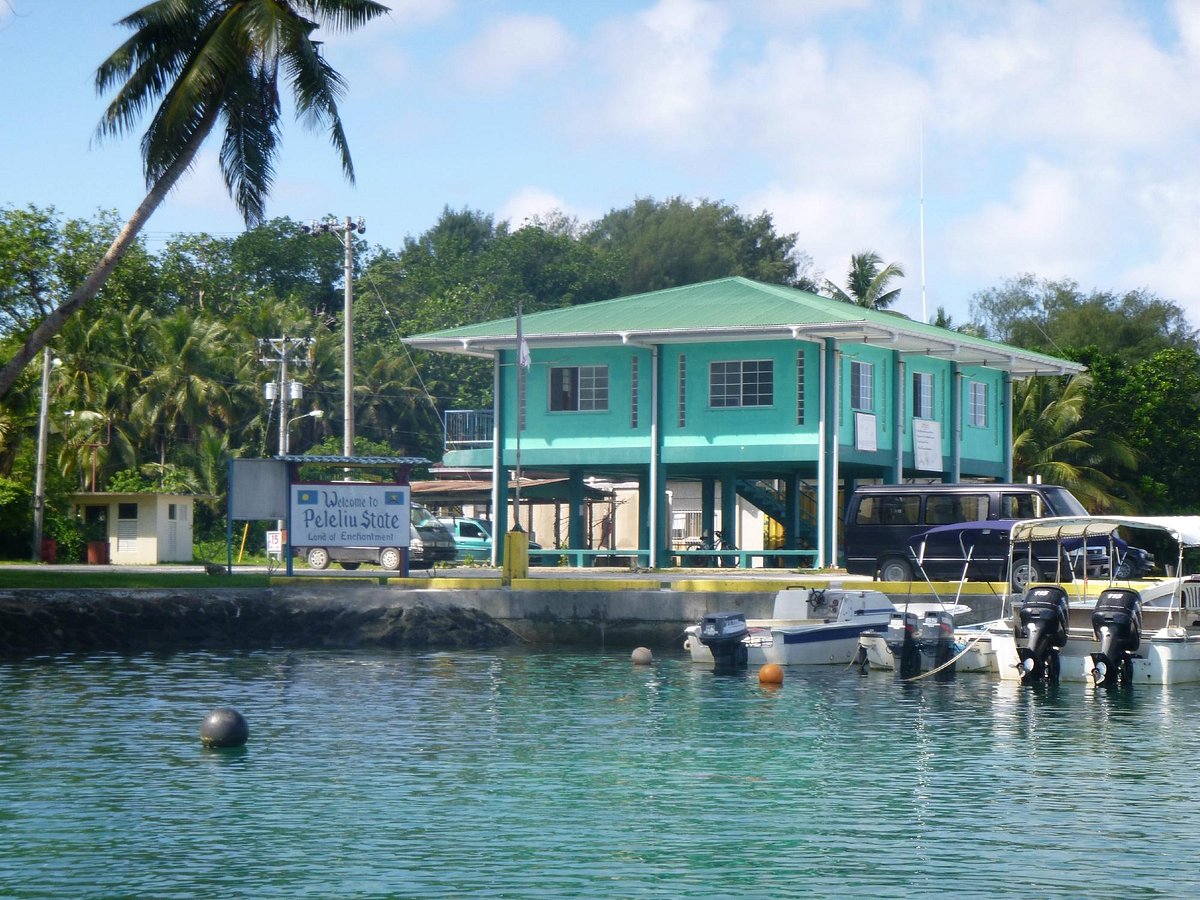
[[971, 643]]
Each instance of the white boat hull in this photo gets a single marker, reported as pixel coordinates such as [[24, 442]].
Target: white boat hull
[[797, 645], [1167, 656], [979, 656]]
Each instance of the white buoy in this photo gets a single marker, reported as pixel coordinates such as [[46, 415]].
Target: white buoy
[[642, 656]]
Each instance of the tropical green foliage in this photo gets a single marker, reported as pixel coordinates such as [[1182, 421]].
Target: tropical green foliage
[[195, 63], [868, 282], [676, 242], [1142, 393], [1052, 443]]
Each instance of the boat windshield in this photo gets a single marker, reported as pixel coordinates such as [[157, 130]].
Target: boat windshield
[[1063, 503]]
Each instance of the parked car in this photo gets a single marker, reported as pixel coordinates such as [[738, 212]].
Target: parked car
[[473, 538], [882, 518], [429, 542], [980, 551]]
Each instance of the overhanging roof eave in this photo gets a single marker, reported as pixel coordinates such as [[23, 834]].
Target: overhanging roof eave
[[1018, 363]]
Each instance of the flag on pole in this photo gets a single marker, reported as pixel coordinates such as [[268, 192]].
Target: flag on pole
[[522, 346]]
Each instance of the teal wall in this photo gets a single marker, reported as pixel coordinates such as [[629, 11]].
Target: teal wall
[[715, 435], [750, 434]]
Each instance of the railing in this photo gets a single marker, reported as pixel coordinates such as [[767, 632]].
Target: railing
[[688, 558], [741, 558], [468, 429]]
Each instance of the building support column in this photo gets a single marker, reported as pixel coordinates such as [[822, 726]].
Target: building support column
[[828, 475], [644, 525], [791, 511], [658, 483], [898, 376], [1006, 427], [729, 507], [708, 508], [577, 514], [956, 424], [499, 472]]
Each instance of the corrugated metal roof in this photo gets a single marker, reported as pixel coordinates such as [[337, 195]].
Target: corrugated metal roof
[[352, 462], [734, 309]]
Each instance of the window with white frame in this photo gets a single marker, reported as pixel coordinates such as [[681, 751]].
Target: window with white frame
[[922, 395], [743, 382], [578, 388], [862, 386], [978, 404]]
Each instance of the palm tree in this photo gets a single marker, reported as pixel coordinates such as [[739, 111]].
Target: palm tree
[[202, 61], [1050, 442], [867, 283]]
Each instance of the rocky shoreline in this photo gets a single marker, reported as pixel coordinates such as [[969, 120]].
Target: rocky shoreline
[[43, 622]]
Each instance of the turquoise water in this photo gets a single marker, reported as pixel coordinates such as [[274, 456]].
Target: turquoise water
[[579, 775]]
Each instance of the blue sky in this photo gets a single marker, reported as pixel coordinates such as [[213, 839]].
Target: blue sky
[[1059, 138]]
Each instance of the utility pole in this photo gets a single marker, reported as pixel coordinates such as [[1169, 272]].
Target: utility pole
[[39, 483], [280, 350], [347, 228]]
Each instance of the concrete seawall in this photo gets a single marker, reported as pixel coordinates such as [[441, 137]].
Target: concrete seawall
[[342, 612]]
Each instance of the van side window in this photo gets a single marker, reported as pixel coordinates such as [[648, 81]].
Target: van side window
[[951, 509], [904, 509], [1018, 506]]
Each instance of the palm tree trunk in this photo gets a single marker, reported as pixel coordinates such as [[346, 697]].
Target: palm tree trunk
[[91, 286]]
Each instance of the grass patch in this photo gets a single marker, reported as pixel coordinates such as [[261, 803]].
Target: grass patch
[[49, 579]]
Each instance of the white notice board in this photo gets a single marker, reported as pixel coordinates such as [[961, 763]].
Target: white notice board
[[927, 445]]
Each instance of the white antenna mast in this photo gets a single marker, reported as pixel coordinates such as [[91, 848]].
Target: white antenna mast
[[924, 310]]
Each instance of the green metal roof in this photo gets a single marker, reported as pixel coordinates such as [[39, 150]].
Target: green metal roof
[[734, 309]]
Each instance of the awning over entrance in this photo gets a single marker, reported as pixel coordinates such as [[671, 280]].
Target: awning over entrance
[[457, 491]]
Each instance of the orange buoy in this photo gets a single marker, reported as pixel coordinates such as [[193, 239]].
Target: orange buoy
[[771, 673]]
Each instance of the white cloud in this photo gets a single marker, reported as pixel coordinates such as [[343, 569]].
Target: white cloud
[[659, 64], [1171, 213], [510, 49], [529, 203]]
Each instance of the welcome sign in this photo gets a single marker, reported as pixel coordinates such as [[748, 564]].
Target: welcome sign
[[350, 515]]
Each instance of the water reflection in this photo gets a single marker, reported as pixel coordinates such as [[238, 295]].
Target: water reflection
[[514, 774]]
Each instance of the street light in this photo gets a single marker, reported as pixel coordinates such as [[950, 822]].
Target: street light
[[39, 480], [311, 414]]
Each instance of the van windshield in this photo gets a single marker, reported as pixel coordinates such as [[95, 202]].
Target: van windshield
[[421, 517], [1062, 502]]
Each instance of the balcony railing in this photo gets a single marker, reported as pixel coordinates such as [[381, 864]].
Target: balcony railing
[[468, 429]]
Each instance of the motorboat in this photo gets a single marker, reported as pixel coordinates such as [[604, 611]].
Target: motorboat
[[914, 644], [1136, 632], [809, 626]]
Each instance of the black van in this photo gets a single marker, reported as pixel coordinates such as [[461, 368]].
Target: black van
[[882, 518]]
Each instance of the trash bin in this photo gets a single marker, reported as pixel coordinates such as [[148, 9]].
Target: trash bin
[[97, 553], [49, 550]]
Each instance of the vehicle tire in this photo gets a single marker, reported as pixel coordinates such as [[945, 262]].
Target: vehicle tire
[[1025, 573], [318, 558], [895, 569], [349, 566], [389, 558]]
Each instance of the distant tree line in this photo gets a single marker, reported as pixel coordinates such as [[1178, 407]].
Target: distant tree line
[[162, 379]]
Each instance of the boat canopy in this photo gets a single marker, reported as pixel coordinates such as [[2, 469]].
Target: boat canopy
[[1184, 529]]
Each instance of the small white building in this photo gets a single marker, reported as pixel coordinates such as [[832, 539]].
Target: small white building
[[137, 528]]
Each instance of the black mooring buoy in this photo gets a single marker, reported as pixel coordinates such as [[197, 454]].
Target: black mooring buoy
[[224, 727]]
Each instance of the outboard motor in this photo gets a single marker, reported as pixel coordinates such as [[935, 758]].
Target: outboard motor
[[901, 640], [935, 641], [1117, 624], [1042, 622], [722, 633]]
